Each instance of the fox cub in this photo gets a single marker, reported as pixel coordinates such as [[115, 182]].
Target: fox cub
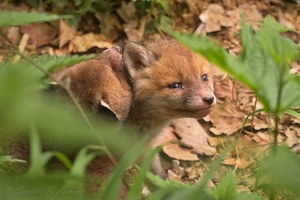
[[168, 81], [145, 86]]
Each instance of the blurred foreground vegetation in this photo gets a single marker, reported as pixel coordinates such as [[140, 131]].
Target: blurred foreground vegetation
[[34, 123]]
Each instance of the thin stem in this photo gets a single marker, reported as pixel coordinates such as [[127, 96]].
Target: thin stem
[[277, 109], [276, 130]]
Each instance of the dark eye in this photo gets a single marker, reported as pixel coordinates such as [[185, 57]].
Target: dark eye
[[204, 77], [176, 85]]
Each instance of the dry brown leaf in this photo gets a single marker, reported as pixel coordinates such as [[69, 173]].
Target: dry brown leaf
[[252, 14], [127, 11], [87, 41], [135, 29], [226, 118], [232, 19], [262, 138], [13, 33], [237, 163], [177, 152], [293, 140], [223, 87], [172, 148], [109, 25], [193, 136], [22, 46], [295, 68], [66, 33], [170, 145], [295, 120], [173, 176], [212, 17], [229, 161], [40, 34]]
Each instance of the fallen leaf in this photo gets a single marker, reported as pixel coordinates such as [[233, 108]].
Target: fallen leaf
[[87, 41], [174, 150], [177, 152], [13, 33], [226, 118], [126, 11], [135, 29], [22, 46], [232, 18], [212, 16], [252, 14], [170, 145], [109, 25], [40, 34], [223, 87], [292, 139], [229, 161], [237, 163], [66, 33], [262, 138], [193, 136]]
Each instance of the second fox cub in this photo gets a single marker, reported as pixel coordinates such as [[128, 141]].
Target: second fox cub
[[146, 86]]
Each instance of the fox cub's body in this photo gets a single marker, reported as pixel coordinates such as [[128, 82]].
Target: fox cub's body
[[145, 86]]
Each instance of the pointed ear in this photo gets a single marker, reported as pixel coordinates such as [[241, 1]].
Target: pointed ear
[[137, 57], [199, 29]]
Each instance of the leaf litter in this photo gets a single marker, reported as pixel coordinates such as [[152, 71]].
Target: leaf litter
[[189, 147]]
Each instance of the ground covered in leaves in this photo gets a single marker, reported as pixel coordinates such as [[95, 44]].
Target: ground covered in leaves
[[199, 144]]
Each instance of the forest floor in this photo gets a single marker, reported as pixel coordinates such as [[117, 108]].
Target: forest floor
[[97, 32]]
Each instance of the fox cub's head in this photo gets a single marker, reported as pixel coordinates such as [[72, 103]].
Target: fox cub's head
[[169, 79]]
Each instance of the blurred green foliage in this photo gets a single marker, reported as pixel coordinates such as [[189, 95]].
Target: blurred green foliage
[[263, 66], [156, 10]]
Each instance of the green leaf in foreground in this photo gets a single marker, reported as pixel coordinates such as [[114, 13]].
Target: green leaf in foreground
[[111, 187], [283, 166], [51, 63], [83, 158], [137, 185], [11, 18], [226, 188], [38, 159]]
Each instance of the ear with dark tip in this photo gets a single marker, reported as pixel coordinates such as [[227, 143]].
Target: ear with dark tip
[[199, 29], [137, 57]]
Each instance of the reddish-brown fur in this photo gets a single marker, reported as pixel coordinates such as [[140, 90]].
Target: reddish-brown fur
[[152, 70], [100, 83], [141, 94]]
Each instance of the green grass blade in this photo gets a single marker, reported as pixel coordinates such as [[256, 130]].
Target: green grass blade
[[83, 158], [12, 18], [249, 115], [63, 158], [111, 187], [226, 189], [293, 113], [137, 185], [38, 159]]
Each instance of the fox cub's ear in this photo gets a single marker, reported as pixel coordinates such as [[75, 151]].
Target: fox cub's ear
[[137, 57]]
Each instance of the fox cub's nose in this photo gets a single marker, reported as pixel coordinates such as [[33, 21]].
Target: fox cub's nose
[[208, 100]]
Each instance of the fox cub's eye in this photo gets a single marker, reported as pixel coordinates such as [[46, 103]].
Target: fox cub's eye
[[176, 85], [204, 77]]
